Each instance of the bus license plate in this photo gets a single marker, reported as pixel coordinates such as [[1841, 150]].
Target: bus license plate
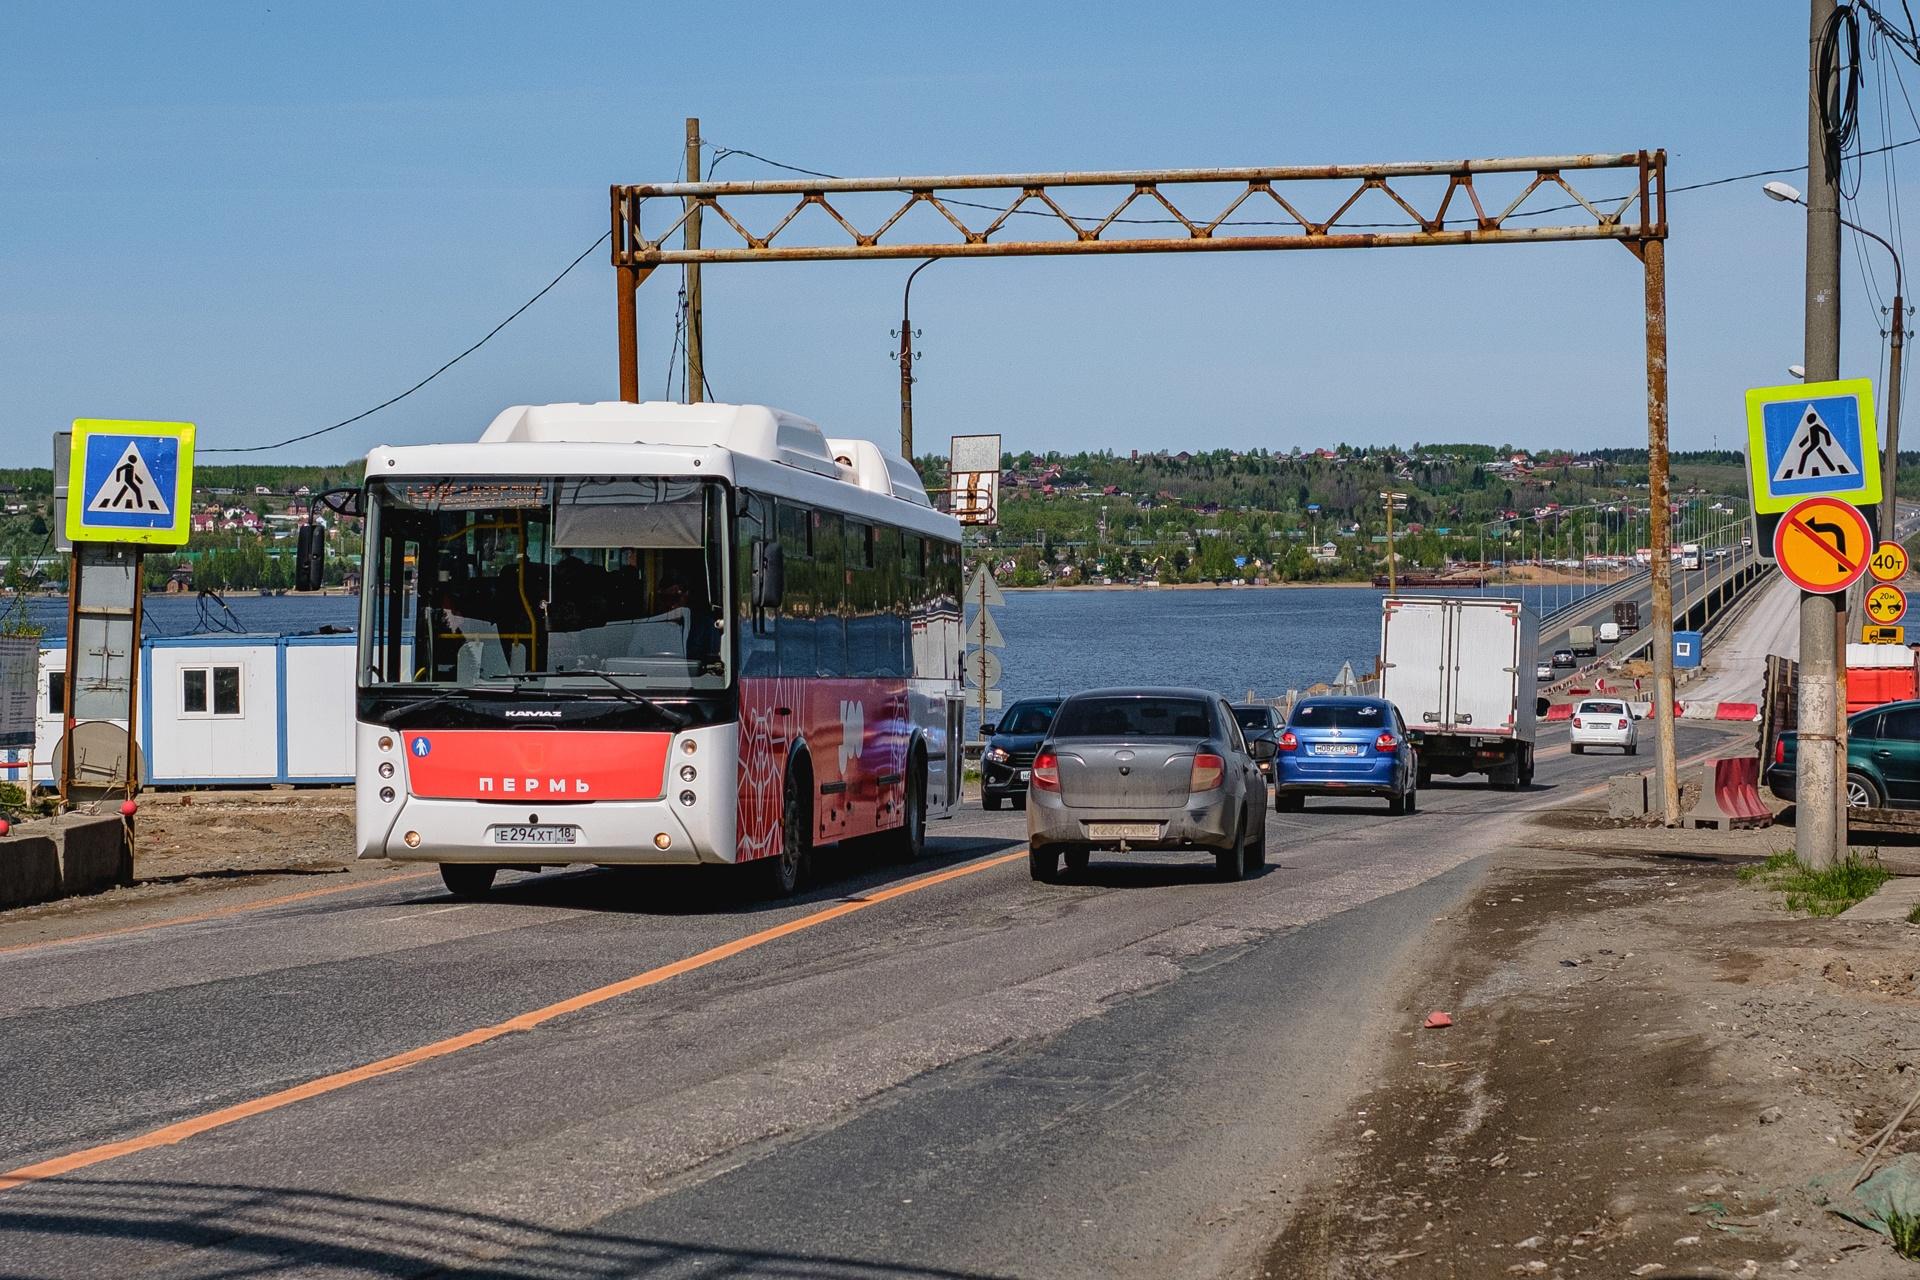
[[1123, 830], [535, 835], [1336, 749]]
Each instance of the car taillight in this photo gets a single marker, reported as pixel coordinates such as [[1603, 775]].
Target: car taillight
[[1576, 722], [1288, 742], [1046, 771], [1623, 724], [1386, 744], [1779, 750], [1209, 771]]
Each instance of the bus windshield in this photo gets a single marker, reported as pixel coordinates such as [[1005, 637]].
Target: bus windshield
[[554, 583]]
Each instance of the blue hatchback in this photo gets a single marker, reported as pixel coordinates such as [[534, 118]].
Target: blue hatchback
[[1343, 747]]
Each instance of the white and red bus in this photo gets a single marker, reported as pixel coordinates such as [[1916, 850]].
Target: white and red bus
[[652, 633]]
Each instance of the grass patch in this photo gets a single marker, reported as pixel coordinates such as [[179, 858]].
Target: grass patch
[[1826, 892], [1903, 1229], [1913, 916]]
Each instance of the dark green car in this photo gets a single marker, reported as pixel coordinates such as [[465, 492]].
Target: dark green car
[[1883, 759]]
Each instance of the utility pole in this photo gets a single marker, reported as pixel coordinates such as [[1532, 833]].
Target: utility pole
[[1392, 501], [1820, 827], [696, 357], [907, 334], [1653, 258]]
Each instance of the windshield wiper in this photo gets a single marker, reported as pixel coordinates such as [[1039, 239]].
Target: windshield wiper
[[677, 719], [421, 704]]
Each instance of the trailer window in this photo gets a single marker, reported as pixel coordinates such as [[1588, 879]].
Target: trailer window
[[210, 691]]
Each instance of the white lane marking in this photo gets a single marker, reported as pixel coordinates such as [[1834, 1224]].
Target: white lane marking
[[437, 911]]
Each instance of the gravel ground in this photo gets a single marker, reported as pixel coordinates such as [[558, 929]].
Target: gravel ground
[[1649, 1062]]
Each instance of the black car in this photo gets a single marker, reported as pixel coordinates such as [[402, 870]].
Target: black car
[[1260, 722], [1011, 745]]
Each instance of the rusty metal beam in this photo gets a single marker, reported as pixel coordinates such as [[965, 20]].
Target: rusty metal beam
[[1636, 217], [1133, 177]]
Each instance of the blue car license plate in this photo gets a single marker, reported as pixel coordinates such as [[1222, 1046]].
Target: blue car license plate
[[1336, 748]]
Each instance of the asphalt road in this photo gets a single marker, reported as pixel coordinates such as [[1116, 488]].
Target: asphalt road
[[942, 1070]]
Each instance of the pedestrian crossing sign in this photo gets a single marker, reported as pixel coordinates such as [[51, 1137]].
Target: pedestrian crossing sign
[[1812, 440], [130, 482]]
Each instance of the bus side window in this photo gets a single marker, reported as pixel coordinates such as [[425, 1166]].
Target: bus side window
[[761, 567], [830, 594], [794, 632]]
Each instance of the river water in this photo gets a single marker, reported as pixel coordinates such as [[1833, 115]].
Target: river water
[[1266, 640]]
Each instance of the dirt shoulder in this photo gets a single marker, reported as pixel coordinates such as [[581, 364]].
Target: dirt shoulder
[[196, 848], [1604, 1104]]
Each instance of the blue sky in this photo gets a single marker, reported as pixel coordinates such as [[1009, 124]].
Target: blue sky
[[266, 218]]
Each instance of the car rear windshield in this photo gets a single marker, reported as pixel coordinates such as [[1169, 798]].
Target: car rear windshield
[[1602, 709], [1253, 717], [1132, 718], [1339, 715], [1028, 717]]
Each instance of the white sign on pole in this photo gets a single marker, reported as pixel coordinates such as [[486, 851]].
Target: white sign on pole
[[982, 630], [982, 589], [982, 668], [19, 687]]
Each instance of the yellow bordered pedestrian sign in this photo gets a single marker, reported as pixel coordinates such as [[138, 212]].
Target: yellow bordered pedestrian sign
[[1886, 604], [1812, 439], [1889, 563], [130, 482], [1822, 545]]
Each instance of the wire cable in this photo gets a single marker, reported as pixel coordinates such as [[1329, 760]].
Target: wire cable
[[366, 413]]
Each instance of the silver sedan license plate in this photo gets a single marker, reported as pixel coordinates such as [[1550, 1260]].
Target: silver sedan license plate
[[1123, 830], [523, 834]]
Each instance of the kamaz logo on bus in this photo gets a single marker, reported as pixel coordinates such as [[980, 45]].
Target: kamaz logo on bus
[[531, 786], [552, 715]]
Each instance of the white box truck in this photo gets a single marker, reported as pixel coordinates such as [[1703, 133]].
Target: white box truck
[[1460, 669]]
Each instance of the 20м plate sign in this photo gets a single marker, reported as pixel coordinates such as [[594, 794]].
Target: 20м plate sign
[[130, 482], [1810, 440]]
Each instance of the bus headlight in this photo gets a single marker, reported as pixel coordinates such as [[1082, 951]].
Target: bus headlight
[[386, 742], [688, 773], [386, 793], [386, 768], [688, 746], [687, 797], [662, 840]]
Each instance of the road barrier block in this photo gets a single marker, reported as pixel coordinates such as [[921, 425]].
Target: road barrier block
[[1737, 711], [1728, 797], [1627, 795], [1560, 711]]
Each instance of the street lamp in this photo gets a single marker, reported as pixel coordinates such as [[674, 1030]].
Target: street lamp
[[908, 355], [1787, 194]]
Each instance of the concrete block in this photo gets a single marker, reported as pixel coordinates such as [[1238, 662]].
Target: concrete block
[[64, 857], [1627, 795]]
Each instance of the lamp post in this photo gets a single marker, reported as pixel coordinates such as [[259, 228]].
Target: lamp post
[[1890, 464], [906, 335]]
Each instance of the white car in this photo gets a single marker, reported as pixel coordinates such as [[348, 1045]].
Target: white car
[[1603, 722], [1542, 671]]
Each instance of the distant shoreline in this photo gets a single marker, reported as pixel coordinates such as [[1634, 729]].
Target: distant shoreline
[[1545, 580]]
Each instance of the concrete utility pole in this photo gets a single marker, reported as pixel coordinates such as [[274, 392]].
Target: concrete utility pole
[[1820, 827], [696, 356]]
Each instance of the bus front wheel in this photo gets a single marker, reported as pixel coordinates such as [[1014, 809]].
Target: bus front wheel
[[787, 870]]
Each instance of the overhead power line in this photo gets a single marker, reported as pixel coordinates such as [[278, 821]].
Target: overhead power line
[[365, 413]]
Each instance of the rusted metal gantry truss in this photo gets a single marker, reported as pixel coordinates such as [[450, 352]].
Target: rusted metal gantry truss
[[1373, 206]]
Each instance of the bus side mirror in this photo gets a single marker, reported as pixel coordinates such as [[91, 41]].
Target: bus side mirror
[[310, 561], [769, 574]]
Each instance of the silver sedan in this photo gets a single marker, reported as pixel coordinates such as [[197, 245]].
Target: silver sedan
[[1147, 769]]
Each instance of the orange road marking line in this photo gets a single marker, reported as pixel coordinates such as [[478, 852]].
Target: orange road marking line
[[237, 908], [167, 1135]]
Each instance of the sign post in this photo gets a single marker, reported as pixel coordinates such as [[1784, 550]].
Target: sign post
[[1808, 443], [129, 485]]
